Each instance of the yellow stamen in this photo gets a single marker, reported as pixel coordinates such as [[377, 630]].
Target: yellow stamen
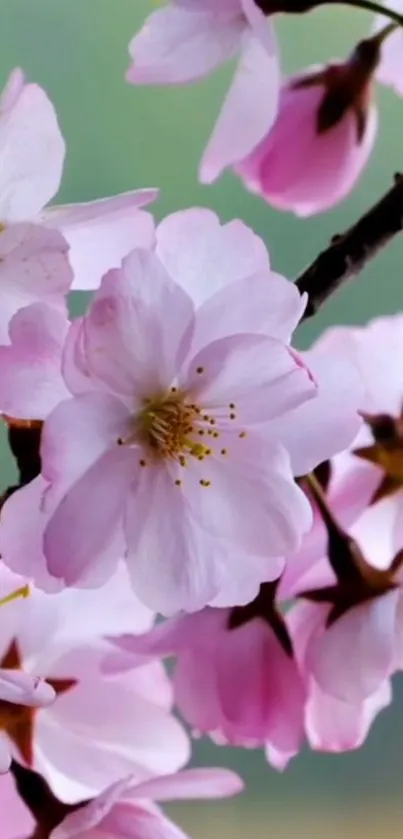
[[24, 591]]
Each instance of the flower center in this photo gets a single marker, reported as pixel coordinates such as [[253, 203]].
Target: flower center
[[167, 426]]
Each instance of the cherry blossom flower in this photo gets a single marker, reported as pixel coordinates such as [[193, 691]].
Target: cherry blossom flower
[[322, 138], [32, 153], [390, 70], [235, 676], [236, 318], [98, 728], [129, 809], [185, 41]]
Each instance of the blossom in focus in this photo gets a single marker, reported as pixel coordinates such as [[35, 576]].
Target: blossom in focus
[[235, 676], [128, 809], [99, 728], [173, 428], [185, 41], [32, 153], [322, 138], [226, 301], [390, 69]]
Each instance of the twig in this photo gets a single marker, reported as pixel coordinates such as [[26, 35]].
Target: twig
[[349, 252]]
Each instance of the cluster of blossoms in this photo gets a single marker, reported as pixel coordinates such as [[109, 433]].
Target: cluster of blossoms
[[189, 484]]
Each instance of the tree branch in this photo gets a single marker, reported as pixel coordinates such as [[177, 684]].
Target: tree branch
[[349, 252]]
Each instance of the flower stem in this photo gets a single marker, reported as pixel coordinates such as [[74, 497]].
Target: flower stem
[[372, 6], [350, 252]]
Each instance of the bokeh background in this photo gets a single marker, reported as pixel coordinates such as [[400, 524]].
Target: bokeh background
[[119, 138]]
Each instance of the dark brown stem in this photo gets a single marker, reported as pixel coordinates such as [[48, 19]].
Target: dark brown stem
[[46, 809], [349, 252], [270, 7]]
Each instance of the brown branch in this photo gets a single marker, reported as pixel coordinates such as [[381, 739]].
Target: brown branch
[[349, 252], [46, 809]]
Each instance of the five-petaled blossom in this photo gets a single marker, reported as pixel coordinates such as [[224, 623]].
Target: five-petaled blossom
[[187, 40]]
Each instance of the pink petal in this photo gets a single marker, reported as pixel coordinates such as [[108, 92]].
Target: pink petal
[[190, 784], [134, 329], [204, 256], [261, 691], [172, 563], [78, 432], [21, 535], [19, 820], [81, 739], [88, 818], [336, 726], [79, 539], [247, 305], [31, 152], [252, 501], [101, 233], [256, 373], [31, 383], [356, 653], [33, 267], [12, 90], [179, 45], [24, 689], [320, 428], [5, 756], [248, 112]]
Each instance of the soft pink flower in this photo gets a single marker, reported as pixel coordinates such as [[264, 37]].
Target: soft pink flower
[[238, 683], [99, 728], [333, 724], [390, 69], [129, 452], [32, 153], [187, 40], [320, 142], [135, 345], [127, 809], [20, 689]]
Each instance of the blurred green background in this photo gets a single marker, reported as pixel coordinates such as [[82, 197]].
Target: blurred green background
[[120, 137]]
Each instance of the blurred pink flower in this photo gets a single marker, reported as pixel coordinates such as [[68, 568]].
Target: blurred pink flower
[[98, 728], [127, 809], [32, 151], [332, 723], [188, 39], [234, 680], [321, 140]]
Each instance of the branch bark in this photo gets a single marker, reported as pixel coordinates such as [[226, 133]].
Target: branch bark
[[349, 252], [47, 811]]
